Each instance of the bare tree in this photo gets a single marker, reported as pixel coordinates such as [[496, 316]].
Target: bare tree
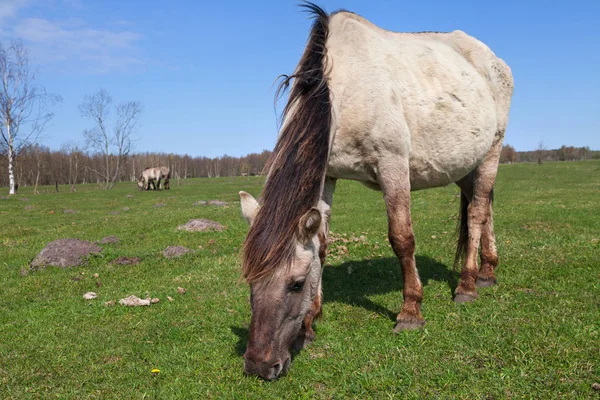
[[75, 154], [540, 152], [23, 105], [113, 145]]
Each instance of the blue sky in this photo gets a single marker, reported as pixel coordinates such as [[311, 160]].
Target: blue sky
[[204, 70]]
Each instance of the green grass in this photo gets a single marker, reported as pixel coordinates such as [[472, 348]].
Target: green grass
[[535, 335]]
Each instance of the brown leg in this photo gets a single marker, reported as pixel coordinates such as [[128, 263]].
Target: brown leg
[[480, 225], [489, 254], [400, 233]]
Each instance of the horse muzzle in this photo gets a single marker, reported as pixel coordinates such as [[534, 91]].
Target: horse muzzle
[[270, 369]]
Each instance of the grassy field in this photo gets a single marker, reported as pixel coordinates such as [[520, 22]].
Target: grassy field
[[535, 335]]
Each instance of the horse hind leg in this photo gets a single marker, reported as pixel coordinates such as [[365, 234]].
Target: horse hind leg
[[489, 253], [477, 227]]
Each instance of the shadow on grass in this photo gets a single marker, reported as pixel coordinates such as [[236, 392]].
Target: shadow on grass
[[354, 281]]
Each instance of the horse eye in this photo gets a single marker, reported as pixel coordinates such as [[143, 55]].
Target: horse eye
[[296, 286]]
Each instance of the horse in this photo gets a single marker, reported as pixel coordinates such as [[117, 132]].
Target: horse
[[153, 176], [398, 112]]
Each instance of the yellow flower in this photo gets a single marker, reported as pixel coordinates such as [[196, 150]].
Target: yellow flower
[[156, 371]]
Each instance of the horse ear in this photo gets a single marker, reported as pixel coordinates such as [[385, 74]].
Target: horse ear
[[309, 225], [249, 206]]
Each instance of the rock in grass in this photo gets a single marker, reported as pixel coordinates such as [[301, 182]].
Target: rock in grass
[[126, 260], [65, 253], [110, 239], [175, 251], [201, 225], [217, 203], [134, 301], [90, 296]]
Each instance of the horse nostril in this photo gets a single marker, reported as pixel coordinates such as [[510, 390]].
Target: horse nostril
[[276, 368]]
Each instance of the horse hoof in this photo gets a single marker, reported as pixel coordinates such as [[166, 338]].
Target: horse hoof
[[464, 298], [485, 282], [408, 325]]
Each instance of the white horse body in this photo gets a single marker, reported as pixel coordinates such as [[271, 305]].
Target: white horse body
[[438, 99]]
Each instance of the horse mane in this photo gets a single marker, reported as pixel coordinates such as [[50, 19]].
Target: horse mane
[[298, 163]]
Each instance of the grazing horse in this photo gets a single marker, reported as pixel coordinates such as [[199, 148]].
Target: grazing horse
[[153, 176], [397, 112]]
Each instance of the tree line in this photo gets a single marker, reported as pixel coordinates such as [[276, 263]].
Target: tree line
[[38, 165], [541, 154]]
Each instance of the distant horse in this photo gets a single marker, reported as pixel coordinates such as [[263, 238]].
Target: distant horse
[[153, 176], [397, 112]]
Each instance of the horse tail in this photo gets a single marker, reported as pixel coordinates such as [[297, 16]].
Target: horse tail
[[462, 228]]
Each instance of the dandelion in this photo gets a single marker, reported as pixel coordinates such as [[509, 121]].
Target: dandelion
[[155, 371]]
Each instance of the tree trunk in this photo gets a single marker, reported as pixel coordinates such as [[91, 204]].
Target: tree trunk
[[11, 169], [37, 176]]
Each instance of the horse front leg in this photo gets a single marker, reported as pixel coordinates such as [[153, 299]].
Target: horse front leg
[[307, 333], [396, 191]]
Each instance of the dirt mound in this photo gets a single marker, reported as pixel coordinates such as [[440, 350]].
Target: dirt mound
[[217, 203], [201, 225], [175, 251], [65, 253], [110, 239], [127, 260]]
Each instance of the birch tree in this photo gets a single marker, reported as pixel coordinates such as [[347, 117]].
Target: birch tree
[[24, 105]]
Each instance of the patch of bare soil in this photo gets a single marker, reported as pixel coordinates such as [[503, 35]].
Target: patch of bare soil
[[158, 205], [201, 225], [65, 253], [69, 211], [127, 261], [129, 196], [175, 251], [110, 239], [28, 208], [24, 199]]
